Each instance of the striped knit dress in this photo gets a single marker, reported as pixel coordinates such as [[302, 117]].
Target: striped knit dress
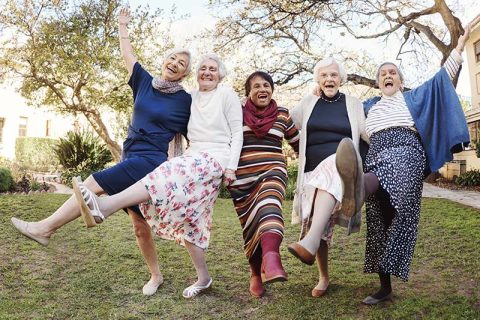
[[259, 190]]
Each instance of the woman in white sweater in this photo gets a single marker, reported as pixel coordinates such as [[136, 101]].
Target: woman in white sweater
[[177, 198]]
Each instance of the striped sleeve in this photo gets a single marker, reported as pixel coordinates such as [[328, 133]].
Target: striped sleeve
[[292, 135], [453, 63]]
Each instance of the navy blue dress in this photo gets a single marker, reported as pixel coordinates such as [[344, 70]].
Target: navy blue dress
[[157, 117]]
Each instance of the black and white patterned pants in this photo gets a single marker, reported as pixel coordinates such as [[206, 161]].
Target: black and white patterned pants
[[396, 156]]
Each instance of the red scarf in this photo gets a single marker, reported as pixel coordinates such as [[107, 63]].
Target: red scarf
[[260, 123]]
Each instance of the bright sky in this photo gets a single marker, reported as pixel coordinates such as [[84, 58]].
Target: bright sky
[[201, 17]]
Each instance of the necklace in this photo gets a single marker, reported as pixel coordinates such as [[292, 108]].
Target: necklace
[[331, 101]]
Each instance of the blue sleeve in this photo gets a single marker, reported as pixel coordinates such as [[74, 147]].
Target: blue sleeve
[[139, 80]]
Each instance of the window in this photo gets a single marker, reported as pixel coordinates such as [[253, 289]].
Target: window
[[473, 129], [2, 123], [476, 48], [477, 80], [48, 128], [22, 128]]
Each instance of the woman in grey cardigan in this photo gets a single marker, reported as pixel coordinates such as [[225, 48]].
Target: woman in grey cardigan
[[324, 121]]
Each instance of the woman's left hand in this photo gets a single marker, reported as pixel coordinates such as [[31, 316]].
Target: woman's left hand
[[466, 34], [229, 177]]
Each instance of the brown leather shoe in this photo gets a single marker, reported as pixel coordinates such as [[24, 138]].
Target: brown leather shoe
[[319, 293], [272, 269], [350, 169], [256, 286], [301, 253]]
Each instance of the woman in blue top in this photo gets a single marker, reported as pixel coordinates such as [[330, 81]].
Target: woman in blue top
[[411, 134], [161, 110]]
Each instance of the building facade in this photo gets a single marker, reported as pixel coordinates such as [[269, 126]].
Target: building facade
[[17, 119]]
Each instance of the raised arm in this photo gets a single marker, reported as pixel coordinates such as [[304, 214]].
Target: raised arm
[[125, 46], [452, 64]]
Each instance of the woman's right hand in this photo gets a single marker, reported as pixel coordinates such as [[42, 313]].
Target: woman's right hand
[[124, 16]]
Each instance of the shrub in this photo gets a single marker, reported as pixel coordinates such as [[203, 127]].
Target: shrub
[[292, 171], [6, 180], [16, 170], [81, 154], [36, 153], [469, 178]]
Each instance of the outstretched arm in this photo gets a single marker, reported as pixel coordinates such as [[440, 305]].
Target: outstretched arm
[[452, 64], [125, 46], [466, 34]]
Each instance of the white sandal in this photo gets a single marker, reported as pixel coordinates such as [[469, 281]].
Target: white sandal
[[195, 290], [88, 204]]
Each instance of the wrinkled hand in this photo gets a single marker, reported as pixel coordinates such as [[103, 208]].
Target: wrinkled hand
[[124, 16], [229, 177], [466, 34], [316, 91]]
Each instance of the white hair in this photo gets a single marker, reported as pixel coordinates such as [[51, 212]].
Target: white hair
[[400, 74], [177, 51], [222, 70], [327, 62]]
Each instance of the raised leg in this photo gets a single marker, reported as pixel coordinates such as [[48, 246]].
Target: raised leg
[[68, 212]]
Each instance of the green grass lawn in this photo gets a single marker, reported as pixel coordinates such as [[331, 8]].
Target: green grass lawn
[[98, 273]]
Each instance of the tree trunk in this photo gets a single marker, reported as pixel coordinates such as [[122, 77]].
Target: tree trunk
[[95, 120]]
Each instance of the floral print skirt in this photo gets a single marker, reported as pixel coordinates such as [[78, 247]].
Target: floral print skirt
[[183, 191]]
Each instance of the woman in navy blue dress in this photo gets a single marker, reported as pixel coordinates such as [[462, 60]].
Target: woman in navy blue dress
[[161, 110]]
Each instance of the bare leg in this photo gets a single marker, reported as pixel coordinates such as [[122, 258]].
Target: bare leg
[[131, 196], [198, 258], [146, 245], [322, 262], [69, 211], [324, 205]]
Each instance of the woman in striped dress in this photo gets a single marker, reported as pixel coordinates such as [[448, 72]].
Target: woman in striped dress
[[259, 190]]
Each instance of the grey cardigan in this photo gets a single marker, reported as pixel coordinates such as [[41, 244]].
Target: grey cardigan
[[300, 115]]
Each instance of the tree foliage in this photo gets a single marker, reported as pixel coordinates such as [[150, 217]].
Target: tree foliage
[[297, 29], [66, 54]]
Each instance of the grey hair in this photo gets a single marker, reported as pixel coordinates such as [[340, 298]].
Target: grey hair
[[177, 51], [325, 63], [400, 74], [222, 70]]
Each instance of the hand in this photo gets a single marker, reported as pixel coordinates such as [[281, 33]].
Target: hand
[[466, 34], [229, 177], [317, 91], [124, 16]]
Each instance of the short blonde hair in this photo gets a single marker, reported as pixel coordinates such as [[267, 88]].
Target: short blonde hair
[[325, 63], [222, 70]]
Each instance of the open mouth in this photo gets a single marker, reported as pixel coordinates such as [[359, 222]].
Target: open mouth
[[172, 70], [329, 86], [263, 96], [388, 83]]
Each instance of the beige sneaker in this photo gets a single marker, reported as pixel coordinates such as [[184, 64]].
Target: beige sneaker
[[350, 169]]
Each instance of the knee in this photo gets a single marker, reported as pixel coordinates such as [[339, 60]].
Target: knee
[[92, 184], [141, 228]]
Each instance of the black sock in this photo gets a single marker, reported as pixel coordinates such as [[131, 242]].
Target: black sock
[[385, 286]]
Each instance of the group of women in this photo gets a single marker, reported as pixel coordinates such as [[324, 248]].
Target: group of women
[[410, 133]]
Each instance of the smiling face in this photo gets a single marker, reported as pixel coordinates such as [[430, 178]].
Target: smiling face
[[174, 67], [329, 80], [260, 92], [208, 76], [389, 80]]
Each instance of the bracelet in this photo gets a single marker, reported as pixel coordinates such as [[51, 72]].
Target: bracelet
[[124, 37], [123, 24]]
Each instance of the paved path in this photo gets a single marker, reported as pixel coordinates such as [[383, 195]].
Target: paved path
[[61, 188], [469, 198]]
